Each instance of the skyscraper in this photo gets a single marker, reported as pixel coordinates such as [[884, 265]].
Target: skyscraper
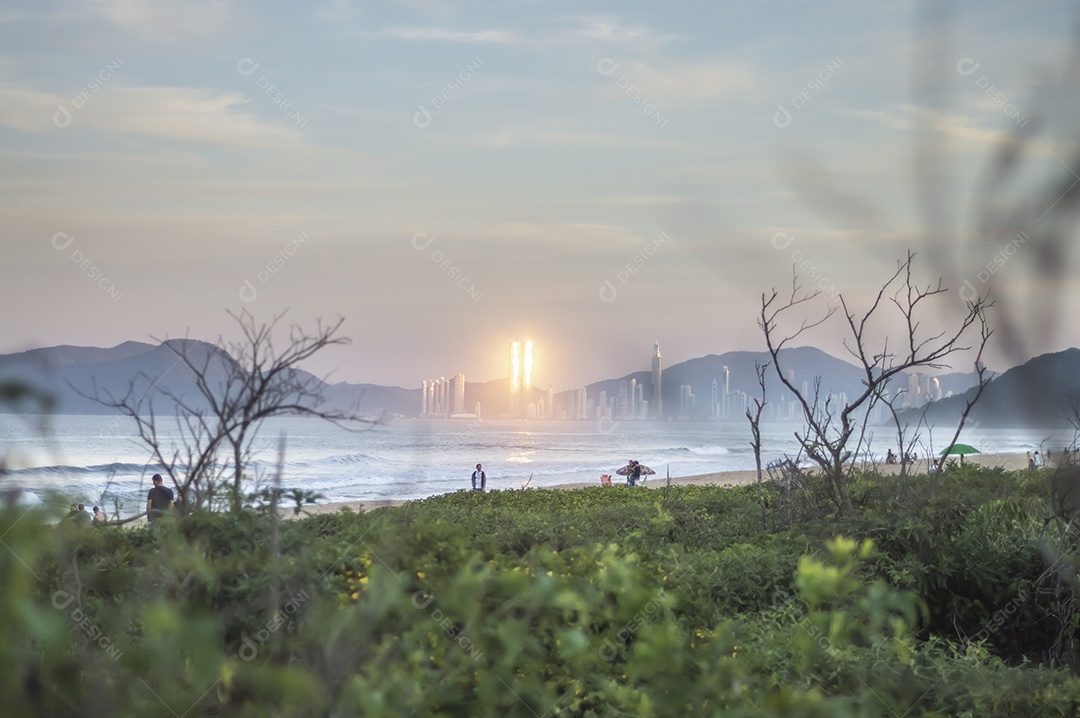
[[686, 401], [657, 367], [459, 393], [519, 380]]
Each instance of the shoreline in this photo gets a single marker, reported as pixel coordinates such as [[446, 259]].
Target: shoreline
[[741, 477]]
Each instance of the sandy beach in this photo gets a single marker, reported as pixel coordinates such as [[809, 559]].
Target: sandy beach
[[724, 478]]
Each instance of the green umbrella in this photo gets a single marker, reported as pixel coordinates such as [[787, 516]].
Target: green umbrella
[[962, 450]]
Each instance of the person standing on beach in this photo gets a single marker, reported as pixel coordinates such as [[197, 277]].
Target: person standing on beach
[[158, 500], [479, 478], [1036, 462]]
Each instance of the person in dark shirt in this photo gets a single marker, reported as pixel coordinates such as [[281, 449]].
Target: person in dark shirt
[[82, 516], [159, 500], [479, 478], [71, 514]]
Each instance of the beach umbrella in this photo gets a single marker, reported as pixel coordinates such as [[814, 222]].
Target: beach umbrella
[[645, 470], [962, 450]]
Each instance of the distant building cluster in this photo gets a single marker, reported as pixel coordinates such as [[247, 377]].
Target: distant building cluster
[[640, 398], [444, 397], [641, 401]]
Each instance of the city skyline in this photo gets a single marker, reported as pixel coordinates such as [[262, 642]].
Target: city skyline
[[445, 398]]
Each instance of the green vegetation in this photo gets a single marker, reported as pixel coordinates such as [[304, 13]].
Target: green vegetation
[[929, 600]]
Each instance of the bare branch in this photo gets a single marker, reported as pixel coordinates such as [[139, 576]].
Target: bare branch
[[238, 385]]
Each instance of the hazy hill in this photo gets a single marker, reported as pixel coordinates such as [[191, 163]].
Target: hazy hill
[[69, 373], [66, 354], [804, 364], [1039, 393], [64, 371], [370, 399]]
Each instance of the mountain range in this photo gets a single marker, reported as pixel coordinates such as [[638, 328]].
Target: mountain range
[[1037, 393], [1043, 392]]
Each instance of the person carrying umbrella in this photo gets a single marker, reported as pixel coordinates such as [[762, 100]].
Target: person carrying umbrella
[[628, 472], [633, 472]]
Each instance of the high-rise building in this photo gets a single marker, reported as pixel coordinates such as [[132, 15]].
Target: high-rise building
[[686, 401], [913, 398], [714, 399], [459, 393], [520, 376], [657, 368], [434, 400]]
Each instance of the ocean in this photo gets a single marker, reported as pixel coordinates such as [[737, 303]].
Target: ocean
[[97, 460]]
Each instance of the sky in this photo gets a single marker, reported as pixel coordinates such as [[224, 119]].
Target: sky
[[451, 176]]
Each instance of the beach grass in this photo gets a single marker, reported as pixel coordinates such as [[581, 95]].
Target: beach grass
[[699, 598]]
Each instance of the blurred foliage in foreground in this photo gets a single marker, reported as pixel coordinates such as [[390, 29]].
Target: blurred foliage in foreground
[[553, 603]]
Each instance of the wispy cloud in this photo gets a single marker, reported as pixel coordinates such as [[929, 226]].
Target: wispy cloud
[[438, 34], [163, 113], [523, 136], [909, 118], [688, 82], [165, 20], [609, 29], [543, 30]]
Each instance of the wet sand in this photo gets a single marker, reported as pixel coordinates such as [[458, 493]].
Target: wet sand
[[723, 478]]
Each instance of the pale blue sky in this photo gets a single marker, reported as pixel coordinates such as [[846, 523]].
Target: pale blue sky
[[450, 176]]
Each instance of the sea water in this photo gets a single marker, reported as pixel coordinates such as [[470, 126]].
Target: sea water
[[99, 460]]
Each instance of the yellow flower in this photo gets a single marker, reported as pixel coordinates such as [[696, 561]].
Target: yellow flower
[[421, 575]]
